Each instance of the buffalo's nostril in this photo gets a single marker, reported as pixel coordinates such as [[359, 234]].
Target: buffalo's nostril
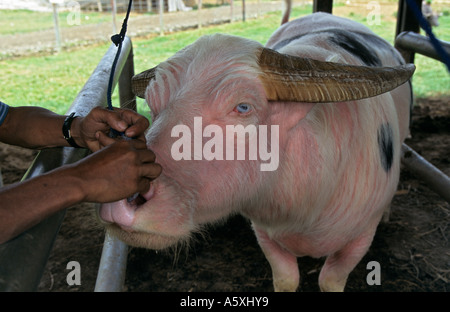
[[140, 200]]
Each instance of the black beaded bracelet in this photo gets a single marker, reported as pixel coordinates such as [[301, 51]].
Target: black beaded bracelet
[[66, 130]]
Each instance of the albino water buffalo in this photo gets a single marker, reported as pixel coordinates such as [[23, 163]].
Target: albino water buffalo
[[301, 136]]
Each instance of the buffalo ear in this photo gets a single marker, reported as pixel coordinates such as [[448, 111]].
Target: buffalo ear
[[140, 82], [288, 113], [291, 78]]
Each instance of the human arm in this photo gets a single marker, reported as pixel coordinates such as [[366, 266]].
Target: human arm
[[37, 128], [115, 172]]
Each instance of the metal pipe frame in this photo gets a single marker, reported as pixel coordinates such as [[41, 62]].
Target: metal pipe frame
[[113, 262], [415, 43], [435, 179], [23, 259]]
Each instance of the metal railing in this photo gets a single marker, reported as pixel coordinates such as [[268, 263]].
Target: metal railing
[[408, 43], [23, 259]]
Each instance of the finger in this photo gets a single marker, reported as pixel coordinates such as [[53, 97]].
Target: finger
[[151, 171], [111, 119], [147, 156], [137, 123], [139, 145], [137, 130], [103, 139], [131, 116], [144, 185]]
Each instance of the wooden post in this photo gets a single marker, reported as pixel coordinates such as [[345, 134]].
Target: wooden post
[[114, 11], [258, 12], [161, 11], [199, 14], [323, 6], [406, 21], [231, 11], [57, 31], [243, 10]]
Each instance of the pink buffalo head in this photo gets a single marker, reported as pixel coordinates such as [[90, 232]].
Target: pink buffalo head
[[209, 101]]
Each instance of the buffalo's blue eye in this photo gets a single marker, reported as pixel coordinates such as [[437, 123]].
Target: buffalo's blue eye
[[242, 108]]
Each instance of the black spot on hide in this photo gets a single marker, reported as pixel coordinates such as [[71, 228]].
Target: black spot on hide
[[385, 144], [357, 45]]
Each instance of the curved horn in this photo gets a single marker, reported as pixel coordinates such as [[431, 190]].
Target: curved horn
[[296, 79], [140, 82]]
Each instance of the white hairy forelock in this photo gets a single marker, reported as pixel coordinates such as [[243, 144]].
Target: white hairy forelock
[[210, 63]]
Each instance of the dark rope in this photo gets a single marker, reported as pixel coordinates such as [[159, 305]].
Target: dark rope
[[117, 40], [445, 58]]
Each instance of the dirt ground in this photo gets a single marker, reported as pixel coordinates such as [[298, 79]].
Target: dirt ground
[[412, 248]]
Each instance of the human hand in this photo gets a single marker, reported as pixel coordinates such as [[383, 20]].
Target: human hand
[[88, 130], [117, 171]]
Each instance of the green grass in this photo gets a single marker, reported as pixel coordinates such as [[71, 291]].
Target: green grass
[[23, 21], [149, 53], [53, 81], [432, 78]]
